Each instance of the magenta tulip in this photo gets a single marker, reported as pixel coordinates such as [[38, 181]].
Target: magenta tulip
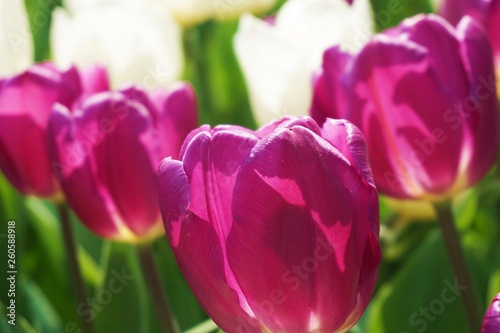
[[487, 12], [275, 230], [107, 151], [491, 321], [423, 94], [26, 101]]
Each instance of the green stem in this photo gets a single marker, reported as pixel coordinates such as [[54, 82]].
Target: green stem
[[459, 265], [165, 316], [74, 268]]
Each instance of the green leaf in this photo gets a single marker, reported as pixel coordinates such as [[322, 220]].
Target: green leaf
[[43, 313], [421, 296], [121, 304]]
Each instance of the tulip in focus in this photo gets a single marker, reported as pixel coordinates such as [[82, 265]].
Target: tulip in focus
[[491, 322], [275, 230], [487, 12], [16, 43], [106, 153], [26, 101], [423, 94], [279, 56], [138, 41], [189, 12]]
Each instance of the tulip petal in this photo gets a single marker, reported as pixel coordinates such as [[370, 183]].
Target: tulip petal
[[94, 79], [438, 37], [138, 43], [279, 201], [415, 122], [126, 155], [491, 322], [75, 172], [329, 96], [210, 166], [178, 115], [480, 120], [25, 104]]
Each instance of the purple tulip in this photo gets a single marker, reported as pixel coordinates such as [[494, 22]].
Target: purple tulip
[[26, 101], [423, 94], [275, 230], [487, 12], [106, 153], [491, 321]]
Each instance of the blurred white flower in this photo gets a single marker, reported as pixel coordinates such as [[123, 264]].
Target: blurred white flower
[[278, 56], [16, 42], [138, 41], [189, 12]]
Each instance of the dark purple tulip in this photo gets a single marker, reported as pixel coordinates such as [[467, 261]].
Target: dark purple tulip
[[106, 153], [424, 96], [275, 230], [26, 101], [491, 321]]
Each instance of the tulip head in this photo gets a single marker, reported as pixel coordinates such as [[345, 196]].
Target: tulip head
[[278, 58], [491, 321], [106, 153], [275, 230], [138, 41], [423, 94], [26, 101]]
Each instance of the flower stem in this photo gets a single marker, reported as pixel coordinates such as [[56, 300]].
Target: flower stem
[[459, 265], [74, 268], [165, 316]]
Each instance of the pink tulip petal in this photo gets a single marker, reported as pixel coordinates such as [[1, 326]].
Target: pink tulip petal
[[279, 202], [75, 171], [491, 322], [25, 104], [125, 150], [480, 120], [178, 115], [94, 79], [415, 121], [329, 96], [443, 48], [210, 170]]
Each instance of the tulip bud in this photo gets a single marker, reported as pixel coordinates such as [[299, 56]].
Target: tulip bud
[[485, 12], [139, 42], [16, 42], [26, 101], [423, 94], [278, 59], [106, 154], [275, 230], [491, 321]]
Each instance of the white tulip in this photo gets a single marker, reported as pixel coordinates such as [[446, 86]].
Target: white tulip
[[138, 42], [189, 12], [16, 42], [278, 59]]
